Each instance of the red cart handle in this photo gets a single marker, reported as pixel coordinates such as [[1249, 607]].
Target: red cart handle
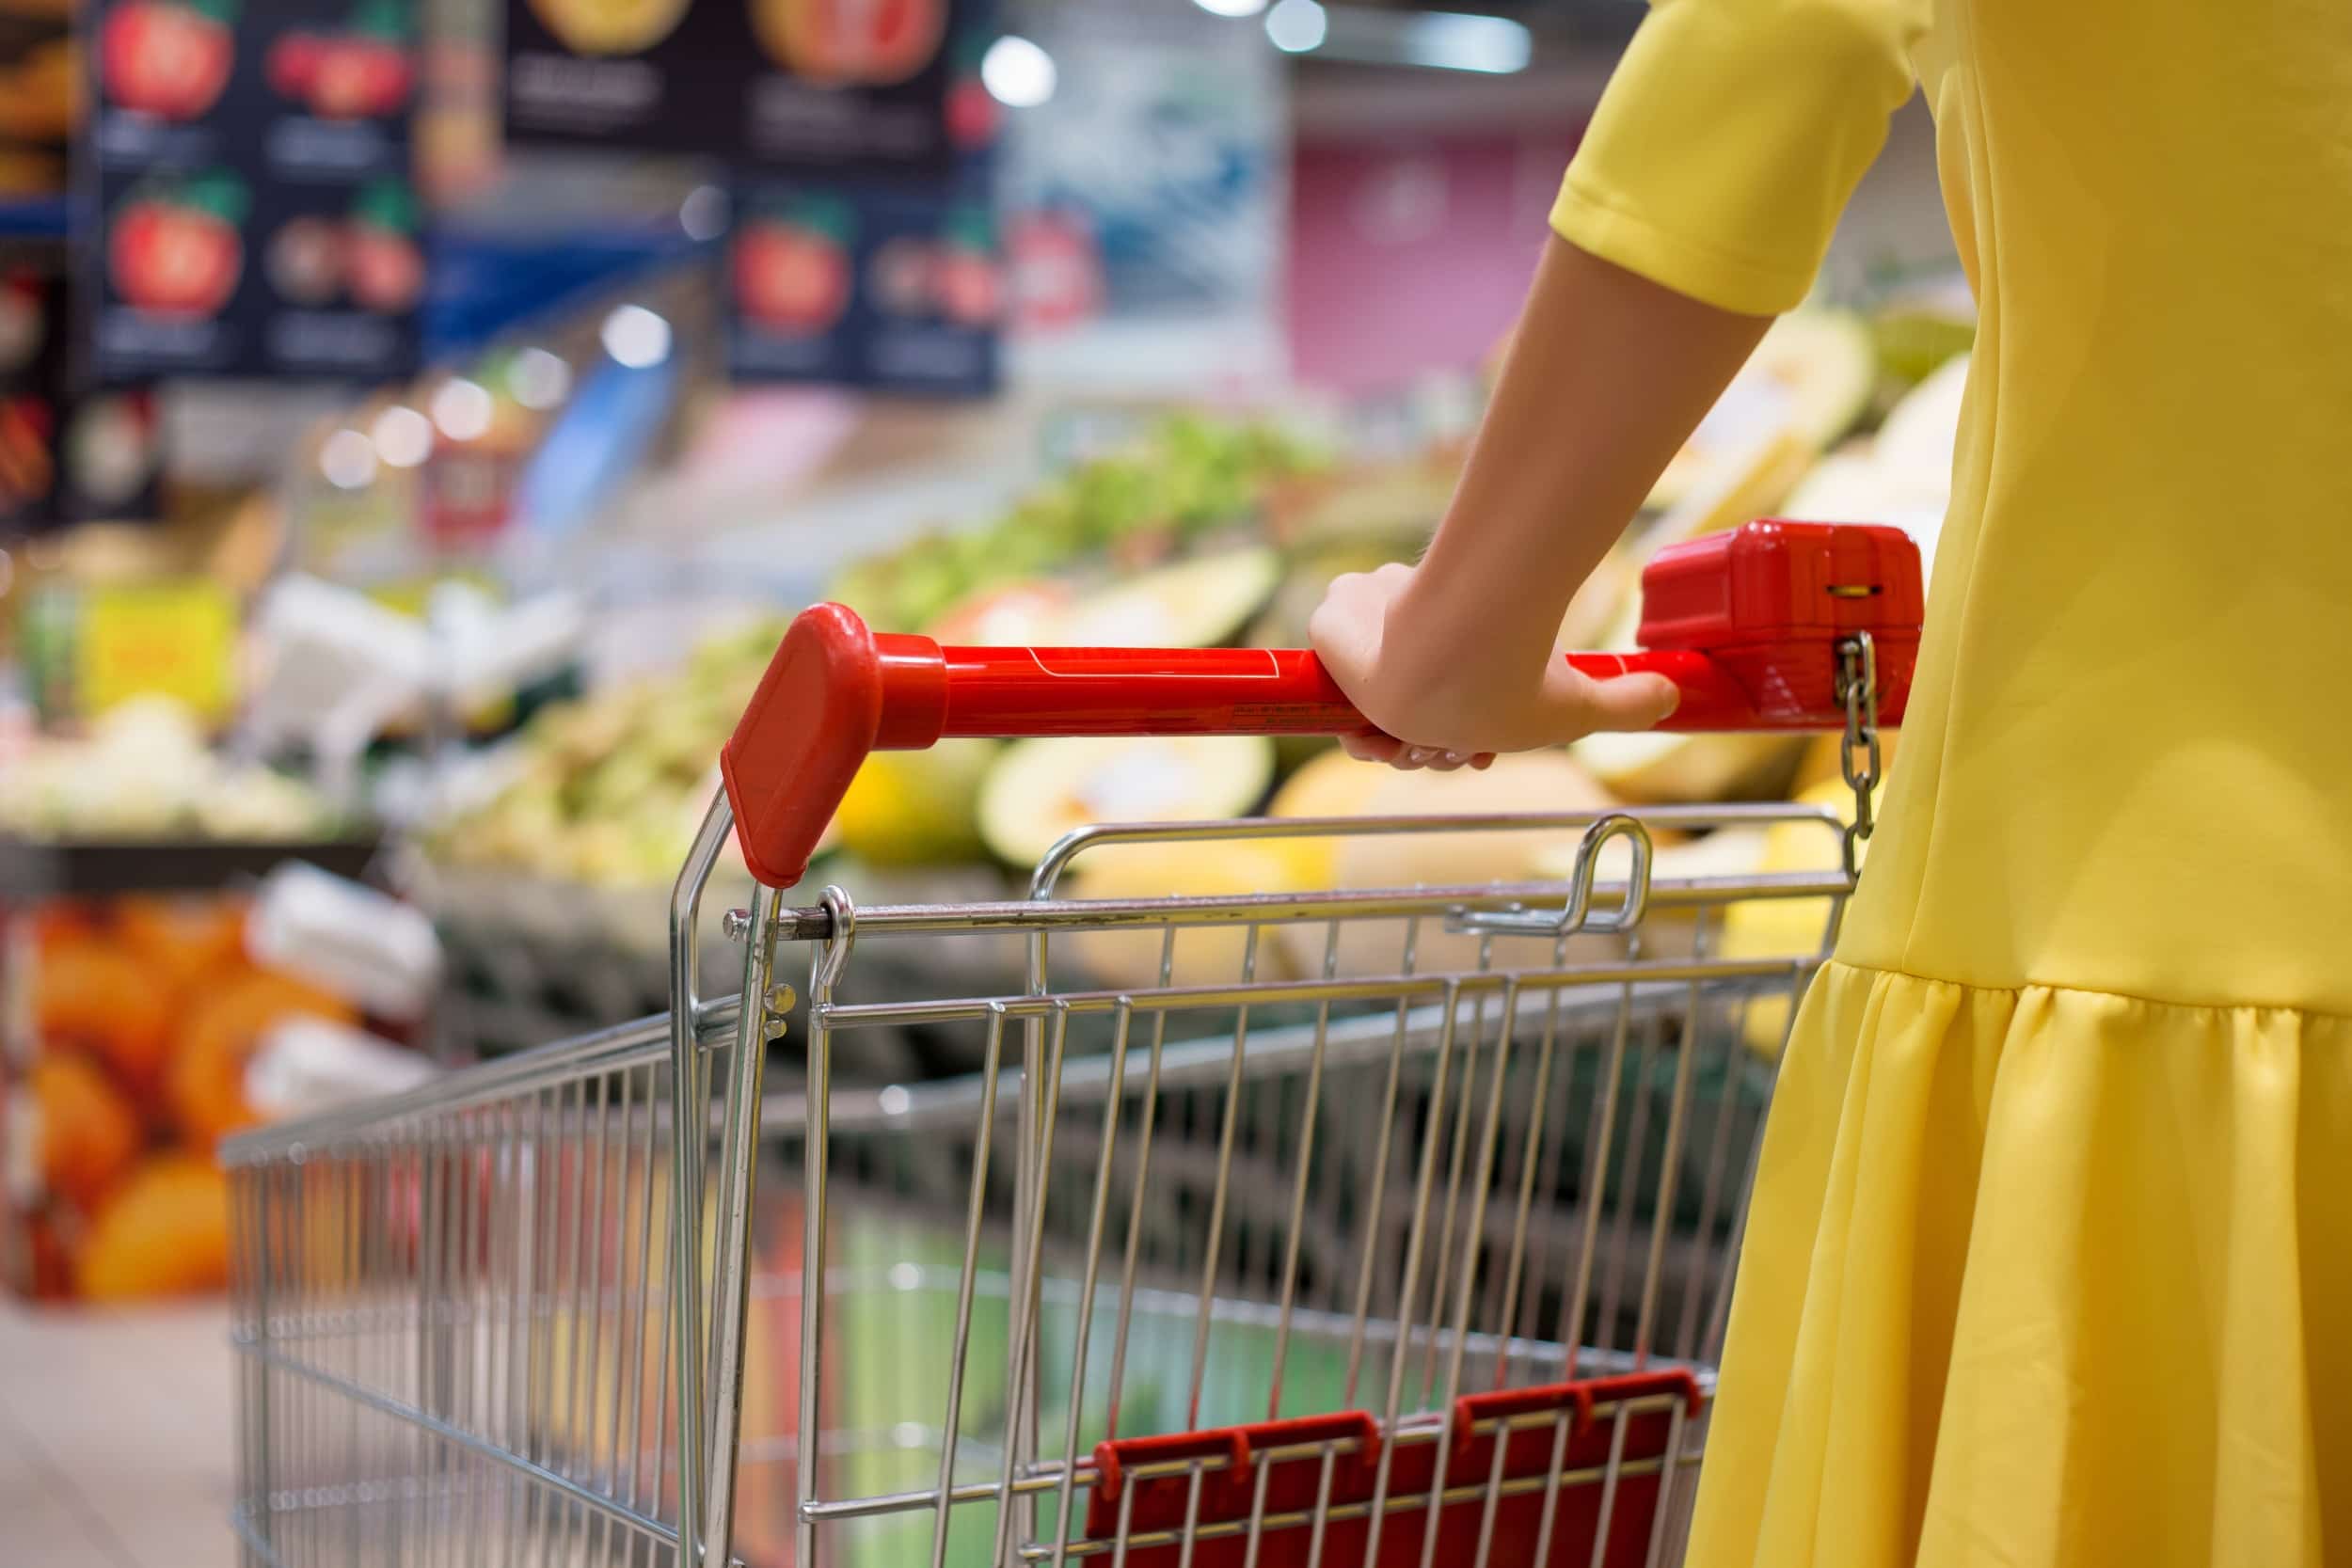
[[1747, 623]]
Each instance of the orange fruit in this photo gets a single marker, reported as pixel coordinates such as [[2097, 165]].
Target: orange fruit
[[165, 1232], [88, 1133], [49, 1266], [63, 923], [190, 940], [206, 1088], [91, 995]]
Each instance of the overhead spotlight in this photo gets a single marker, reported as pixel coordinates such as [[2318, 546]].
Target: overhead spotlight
[[462, 408], [1017, 73], [1296, 26], [540, 379], [403, 438], [1441, 40], [635, 337], [347, 458]]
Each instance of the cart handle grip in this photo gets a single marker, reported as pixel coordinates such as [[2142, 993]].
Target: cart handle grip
[[1746, 624]]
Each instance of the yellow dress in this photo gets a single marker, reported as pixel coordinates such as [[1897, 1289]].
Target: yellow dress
[[2050, 1261]]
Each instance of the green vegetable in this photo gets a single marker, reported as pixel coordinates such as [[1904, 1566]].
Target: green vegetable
[[1187, 476]]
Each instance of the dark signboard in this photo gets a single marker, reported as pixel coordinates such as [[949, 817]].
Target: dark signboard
[[838, 84], [887, 287], [245, 208]]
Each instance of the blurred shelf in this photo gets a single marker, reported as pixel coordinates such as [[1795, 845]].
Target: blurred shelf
[[30, 870], [32, 218]]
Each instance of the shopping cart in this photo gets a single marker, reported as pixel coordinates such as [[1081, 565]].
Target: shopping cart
[[1372, 1226]]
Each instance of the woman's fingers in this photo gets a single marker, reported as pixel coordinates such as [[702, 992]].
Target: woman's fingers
[[1582, 705], [1372, 747]]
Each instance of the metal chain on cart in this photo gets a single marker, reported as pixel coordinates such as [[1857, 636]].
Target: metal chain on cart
[[1858, 752]]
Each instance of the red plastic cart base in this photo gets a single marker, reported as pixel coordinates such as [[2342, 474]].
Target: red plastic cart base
[[1275, 1472]]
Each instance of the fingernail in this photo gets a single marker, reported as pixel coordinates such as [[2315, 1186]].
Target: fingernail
[[1455, 759]]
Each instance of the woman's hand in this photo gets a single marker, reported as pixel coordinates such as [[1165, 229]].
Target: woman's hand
[[1443, 695], [1606, 375]]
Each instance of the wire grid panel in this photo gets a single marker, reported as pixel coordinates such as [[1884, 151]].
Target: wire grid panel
[[1256, 1176], [1352, 1183], [453, 1323]]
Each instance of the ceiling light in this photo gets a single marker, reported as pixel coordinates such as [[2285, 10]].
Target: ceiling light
[[462, 408], [347, 458], [403, 438], [1017, 73], [635, 337], [1296, 25]]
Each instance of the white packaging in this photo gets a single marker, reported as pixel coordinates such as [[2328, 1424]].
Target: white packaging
[[346, 937], [309, 1064]]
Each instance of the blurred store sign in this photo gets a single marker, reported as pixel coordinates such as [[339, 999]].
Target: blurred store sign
[[90, 648], [32, 385], [848, 272], [880, 287], [40, 70], [244, 190], [68, 451], [841, 86], [486, 281], [1144, 202]]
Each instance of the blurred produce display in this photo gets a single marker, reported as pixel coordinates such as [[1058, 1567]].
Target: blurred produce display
[[1187, 479], [1207, 532], [131, 1025], [146, 770], [608, 789]]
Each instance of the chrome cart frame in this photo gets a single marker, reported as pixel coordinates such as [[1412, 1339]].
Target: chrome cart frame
[[468, 1332]]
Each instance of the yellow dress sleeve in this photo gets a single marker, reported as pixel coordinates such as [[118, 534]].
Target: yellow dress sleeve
[[1731, 136]]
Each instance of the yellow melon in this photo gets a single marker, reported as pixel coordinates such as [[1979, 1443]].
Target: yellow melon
[[1813, 374], [1660, 768], [916, 808], [1435, 855], [1202, 956], [1786, 927], [1038, 790]]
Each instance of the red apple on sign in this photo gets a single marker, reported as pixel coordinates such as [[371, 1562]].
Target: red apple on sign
[[163, 58], [898, 279], [306, 259], [293, 63], [359, 77], [792, 269], [966, 282], [382, 265], [1057, 271], [176, 252], [876, 42], [971, 115], [360, 71]]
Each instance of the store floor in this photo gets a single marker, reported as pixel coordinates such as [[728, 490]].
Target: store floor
[[115, 1438]]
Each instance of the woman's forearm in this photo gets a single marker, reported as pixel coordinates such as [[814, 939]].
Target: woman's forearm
[[1606, 375]]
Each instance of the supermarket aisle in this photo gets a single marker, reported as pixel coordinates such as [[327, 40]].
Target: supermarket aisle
[[115, 1438]]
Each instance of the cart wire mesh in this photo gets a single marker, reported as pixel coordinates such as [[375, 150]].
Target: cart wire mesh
[[1365, 1177]]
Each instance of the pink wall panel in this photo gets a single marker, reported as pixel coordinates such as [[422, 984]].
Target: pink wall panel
[[1412, 255]]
